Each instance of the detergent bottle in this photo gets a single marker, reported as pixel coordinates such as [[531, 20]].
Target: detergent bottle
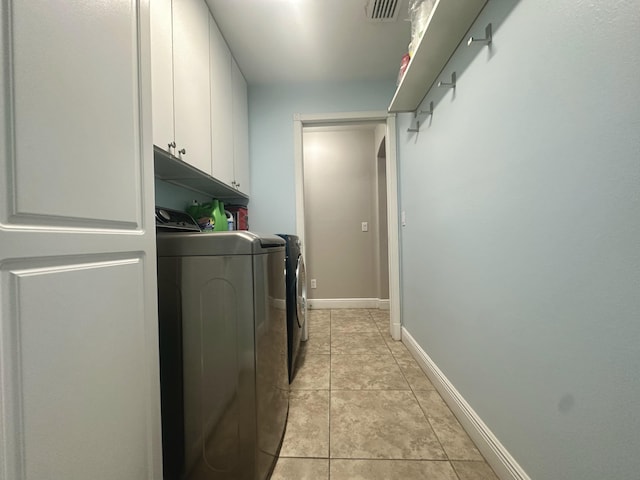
[[220, 218], [230, 220]]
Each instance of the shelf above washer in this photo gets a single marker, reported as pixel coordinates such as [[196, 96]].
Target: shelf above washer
[[450, 20], [173, 170]]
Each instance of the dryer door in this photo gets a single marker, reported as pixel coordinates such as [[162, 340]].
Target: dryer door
[[301, 292]]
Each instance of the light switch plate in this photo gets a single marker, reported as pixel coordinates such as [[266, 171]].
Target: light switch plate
[[365, 226]]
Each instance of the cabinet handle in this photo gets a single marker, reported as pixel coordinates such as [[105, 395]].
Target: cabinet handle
[[237, 185], [183, 151], [172, 145]]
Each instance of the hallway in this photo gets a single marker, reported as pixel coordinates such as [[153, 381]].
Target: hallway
[[362, 409]]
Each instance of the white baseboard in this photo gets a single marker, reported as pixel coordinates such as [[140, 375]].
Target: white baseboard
[[396, 331], [383, 304], [320, 303], [494, 452]]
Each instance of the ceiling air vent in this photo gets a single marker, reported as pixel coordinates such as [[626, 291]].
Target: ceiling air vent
[[382, 10]]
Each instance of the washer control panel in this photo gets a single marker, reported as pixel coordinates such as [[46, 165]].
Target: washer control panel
[[169, 220]]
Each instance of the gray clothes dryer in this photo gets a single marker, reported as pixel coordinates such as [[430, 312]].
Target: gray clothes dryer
[[223, 352]]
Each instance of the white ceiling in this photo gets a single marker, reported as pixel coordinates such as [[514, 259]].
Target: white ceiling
[[295, 41]]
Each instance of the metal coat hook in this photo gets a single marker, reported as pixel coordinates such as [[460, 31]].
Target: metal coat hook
[[415, 130], [427, 112], [487, 37], [420, 112], [451, 84]]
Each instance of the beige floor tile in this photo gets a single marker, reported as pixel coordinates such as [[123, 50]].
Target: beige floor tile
[[400, 351], [360, 343], [320, 325], [377, 313], [452, 436], [383, 328], [382, 424], [396, 347], [353, 325], [301, 469], [413, 373], [391, 470], [474, 471], [307, 432], [314, 314], [366, 372], [342, 313], [312, 372], [381, 318], [377, 429], [318, 343]]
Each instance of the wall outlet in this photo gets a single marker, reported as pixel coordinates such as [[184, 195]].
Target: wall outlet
[[365, 226], [313, 283]]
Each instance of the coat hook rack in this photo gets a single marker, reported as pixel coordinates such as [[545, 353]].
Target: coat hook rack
[[487, 37], [451, 84], [427, 112]]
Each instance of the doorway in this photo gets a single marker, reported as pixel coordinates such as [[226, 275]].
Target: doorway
[[306, 228], [342, 219]]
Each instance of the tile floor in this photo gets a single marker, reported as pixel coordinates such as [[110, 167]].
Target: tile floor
[[362, 409]]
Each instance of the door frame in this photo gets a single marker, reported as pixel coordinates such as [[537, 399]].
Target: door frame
[[305, 120]]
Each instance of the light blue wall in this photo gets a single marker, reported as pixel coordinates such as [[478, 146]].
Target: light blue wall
[[178, 198], [271, 110], [521, 254]]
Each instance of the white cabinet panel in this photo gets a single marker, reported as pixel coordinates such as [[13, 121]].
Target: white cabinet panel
[[240, 130], [79, 380], [221, 107], [191, 82], [162, 73], [76, 165], [79, 371]]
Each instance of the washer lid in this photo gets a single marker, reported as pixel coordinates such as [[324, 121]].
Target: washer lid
[[216, 243]]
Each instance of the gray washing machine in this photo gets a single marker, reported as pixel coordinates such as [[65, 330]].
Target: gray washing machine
[[223, 351]]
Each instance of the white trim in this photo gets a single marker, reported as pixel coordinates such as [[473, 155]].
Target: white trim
[[383, 304], [321, 303], [395, 323], [297, 152], [395, 329], [331, 118], [299, 121], [494, 452]]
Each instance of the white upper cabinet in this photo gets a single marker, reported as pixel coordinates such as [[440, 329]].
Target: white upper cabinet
[[162, 74], [240, 130], [221, 107], [229, 116], [180, 76], [199, 97], [191, 82]]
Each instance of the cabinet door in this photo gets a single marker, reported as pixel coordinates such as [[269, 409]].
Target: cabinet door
[[79, 381], [221, 107], [162, 74], [240, 130], [191, 82]]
